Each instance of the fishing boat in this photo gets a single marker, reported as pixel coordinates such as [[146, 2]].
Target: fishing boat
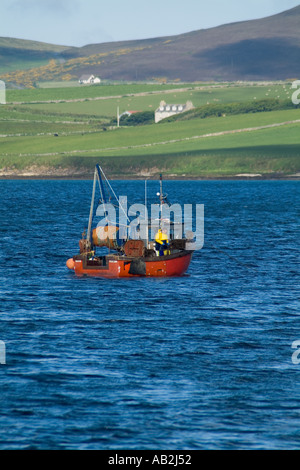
[[129, 256]]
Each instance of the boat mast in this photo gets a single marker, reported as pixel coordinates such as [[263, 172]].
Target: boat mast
[[92, 209], [146, 221], [161, 198], [103, 196]]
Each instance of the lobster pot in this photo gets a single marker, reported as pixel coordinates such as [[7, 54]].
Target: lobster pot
[[105, 236]]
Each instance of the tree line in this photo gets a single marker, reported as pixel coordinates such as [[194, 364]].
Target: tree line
[[209, 110]]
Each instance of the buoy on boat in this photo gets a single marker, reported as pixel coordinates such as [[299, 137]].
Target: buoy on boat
[[71, 264]]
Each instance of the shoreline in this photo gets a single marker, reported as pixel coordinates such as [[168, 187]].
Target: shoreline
[[89, 176]]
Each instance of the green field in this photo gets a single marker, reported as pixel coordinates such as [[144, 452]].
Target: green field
[[103, 101], [77, 134], [77, 92]]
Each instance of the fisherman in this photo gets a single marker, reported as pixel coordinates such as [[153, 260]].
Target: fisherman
[[162, 243]]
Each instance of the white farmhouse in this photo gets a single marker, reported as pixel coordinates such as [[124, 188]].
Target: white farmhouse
[[89, 80], [166, 110]]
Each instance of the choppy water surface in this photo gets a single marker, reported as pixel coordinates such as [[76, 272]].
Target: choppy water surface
[[198, 362]]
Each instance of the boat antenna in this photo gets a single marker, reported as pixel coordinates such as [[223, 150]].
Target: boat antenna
[[160, 198], [161, 193]]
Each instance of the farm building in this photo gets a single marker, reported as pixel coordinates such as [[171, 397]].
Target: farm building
[[89, 80], [166, 110], [127, 113]]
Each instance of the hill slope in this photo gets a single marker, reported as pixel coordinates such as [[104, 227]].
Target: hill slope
[[267, 48], [258, 49], [22, 54]]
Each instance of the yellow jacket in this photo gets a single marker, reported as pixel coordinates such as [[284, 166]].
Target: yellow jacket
[[161, 237]]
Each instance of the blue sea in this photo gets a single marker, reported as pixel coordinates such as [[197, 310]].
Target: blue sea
[[203, 361]]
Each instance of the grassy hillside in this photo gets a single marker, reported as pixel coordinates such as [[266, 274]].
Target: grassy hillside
[[67, 138], [77, 93], [103, 101], [272, 152], [20, 54], [264, 49], [24, 44]]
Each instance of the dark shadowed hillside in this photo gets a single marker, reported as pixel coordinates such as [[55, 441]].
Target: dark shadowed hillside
[[267, 48]]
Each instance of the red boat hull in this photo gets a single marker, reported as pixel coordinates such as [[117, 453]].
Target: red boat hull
[[120, 266]]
